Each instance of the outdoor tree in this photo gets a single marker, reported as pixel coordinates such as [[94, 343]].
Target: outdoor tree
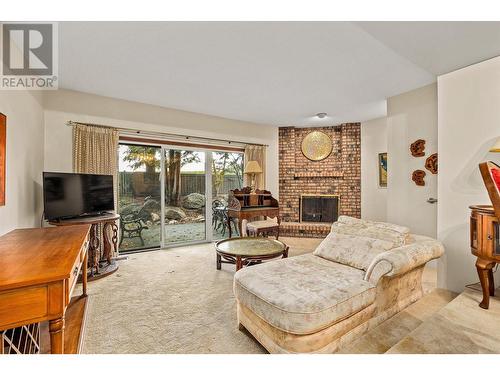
[[175, 159], [149, 157], [226, 163]]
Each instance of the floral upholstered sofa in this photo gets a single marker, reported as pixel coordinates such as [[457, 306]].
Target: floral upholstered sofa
[[361, 274]]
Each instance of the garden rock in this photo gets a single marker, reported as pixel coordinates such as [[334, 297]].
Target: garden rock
[[174, 213], [193, 201]]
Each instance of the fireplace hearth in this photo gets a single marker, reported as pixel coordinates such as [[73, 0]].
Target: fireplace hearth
[[319, 208]]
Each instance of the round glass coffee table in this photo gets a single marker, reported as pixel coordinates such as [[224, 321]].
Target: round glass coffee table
[[244, 251]]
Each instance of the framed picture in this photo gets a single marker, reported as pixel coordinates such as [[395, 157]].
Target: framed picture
[[382, 169], [3, 151]]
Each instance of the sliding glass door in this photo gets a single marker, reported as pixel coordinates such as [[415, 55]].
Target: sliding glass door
[[184, 196], [139, 193], [227, 174], [172, 196]]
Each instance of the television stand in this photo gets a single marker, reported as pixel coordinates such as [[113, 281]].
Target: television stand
[[100, 264]]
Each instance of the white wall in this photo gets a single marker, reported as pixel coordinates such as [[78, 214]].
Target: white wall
[[373, 197], [469, 123], [64, 105], [23, 201], [411, 116]]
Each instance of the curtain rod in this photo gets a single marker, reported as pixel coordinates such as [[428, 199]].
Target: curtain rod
[[165, 135]]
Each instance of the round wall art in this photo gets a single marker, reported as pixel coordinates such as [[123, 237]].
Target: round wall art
[[317, 146]]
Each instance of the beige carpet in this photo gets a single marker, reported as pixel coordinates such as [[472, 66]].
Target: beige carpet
[[383, 337], [170, 301], [461, 327], [175, 301]]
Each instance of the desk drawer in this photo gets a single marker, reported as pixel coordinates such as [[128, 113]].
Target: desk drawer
[[75, 271], [23, 305]]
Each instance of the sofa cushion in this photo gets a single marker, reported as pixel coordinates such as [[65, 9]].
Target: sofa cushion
[[349, 220], [404, 258], [381, 231], [350, 250], [303, 294]]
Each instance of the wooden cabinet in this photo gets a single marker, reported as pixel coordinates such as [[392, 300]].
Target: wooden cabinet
[[39, 270], [485, 244]]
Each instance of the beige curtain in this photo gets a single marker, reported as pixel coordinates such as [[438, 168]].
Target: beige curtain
[[257, 153], [95, 150]]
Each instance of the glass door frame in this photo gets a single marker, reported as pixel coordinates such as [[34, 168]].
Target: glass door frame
[[208, 195], [144, 144], [208, 188]]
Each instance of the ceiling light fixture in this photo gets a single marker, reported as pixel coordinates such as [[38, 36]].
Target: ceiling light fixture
[[321, 115]]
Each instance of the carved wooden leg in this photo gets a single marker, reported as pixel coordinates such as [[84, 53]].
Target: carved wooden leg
[[56, 329], [106, 242], [111, 243], [491, 282], [483, 268], [285, 253], [84, 274], [239, 263], [218, 261], [94, 249], [114, 237]]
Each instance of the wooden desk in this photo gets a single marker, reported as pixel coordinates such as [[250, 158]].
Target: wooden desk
[[243, 205], [38, 271], [485, 244]]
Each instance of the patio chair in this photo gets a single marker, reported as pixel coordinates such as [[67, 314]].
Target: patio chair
[[220, 219], [132, 225], [218, 208]]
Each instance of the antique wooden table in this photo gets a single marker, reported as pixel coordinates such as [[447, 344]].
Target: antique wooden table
[[245, 205], [244, 251], [100, 265]]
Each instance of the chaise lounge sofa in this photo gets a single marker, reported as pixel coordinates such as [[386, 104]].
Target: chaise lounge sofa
[[361, 274]]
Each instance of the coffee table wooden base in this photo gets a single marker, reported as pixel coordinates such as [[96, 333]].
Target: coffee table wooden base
[[241, 261]]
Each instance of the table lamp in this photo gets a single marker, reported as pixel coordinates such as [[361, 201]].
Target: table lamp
[[496, 146], [252, 168]]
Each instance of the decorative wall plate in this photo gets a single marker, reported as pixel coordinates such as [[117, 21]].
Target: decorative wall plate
[[417, 148], [431, 163], [317, 146], [418, 177]]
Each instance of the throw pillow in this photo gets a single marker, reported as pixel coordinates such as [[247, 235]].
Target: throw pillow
[[364, 230], [351, 250]]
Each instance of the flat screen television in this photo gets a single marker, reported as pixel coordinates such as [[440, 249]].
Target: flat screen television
[[69, 195]]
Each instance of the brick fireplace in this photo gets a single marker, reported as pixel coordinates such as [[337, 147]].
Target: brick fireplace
[[338, 175]]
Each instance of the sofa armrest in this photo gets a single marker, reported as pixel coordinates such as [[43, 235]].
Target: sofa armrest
[[403, 259]]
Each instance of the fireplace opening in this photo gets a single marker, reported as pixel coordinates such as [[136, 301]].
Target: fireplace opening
[[319, 208]]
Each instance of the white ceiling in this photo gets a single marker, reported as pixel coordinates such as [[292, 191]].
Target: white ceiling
[[276, 73]]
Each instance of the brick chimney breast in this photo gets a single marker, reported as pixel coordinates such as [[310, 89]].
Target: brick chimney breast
[[338, 174]]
